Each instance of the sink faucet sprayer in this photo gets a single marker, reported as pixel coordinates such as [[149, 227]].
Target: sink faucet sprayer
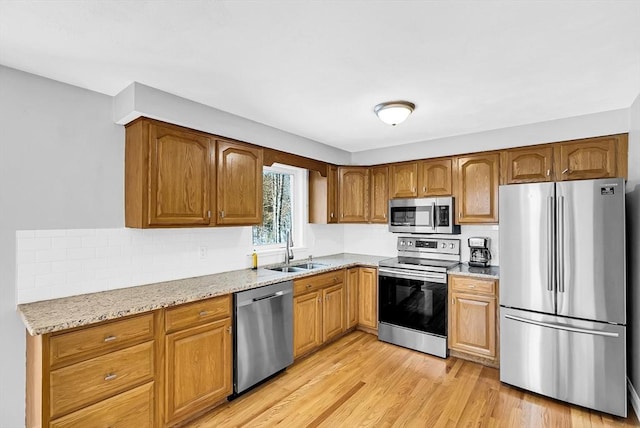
[[288, 252]]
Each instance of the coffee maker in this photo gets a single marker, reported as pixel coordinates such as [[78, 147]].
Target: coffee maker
[[479, 250]]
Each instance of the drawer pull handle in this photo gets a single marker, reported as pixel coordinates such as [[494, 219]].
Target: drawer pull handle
[[203, 313], [109, 339], [472, 286], [110, 376], [308, 285]]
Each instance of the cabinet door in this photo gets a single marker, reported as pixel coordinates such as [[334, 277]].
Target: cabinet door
[[239, 183], [473, 324], [333, 315], [353, 194], [179, 178], [352, 296], [368, 297], [477, 188], [528, 165], [434, 178], [404, 180], [198, 369], [307, 319], [379, 196], [584, 159]]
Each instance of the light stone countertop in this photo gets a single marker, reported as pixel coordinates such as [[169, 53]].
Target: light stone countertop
[[490, 272], [49, 316]]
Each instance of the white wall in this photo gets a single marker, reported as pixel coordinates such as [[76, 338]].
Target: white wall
[[592, 125], [633, 248]]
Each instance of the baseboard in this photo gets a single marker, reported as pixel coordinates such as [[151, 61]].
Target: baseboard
[[633, 397]]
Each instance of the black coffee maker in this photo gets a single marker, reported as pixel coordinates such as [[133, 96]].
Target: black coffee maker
[[479, 250]]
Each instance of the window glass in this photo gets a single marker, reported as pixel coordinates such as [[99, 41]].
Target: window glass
[[278, 207]]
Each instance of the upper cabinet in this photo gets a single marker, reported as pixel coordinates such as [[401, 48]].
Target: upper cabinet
[[403, 180], [601, 157], [434, 177], [379, 195], [168, 176], [527, 165], [171, 178], [323, 196], [477, 188], [239, 183], [353, 191]]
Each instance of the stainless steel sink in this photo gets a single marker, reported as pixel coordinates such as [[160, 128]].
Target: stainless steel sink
[[309, 266], [288, 269]]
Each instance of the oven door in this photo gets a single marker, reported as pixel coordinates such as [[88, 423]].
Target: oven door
[[413, 299]]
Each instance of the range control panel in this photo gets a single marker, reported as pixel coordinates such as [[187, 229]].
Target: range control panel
[[428, 245]]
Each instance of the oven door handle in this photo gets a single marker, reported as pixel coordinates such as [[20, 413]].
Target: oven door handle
[[422, 276]]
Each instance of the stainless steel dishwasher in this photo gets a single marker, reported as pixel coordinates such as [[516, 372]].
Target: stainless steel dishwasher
[[263, 343]]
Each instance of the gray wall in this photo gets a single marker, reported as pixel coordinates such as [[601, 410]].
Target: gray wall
[[633, 245], [61, 166]]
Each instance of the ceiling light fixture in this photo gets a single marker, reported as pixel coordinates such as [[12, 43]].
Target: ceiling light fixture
[[394, 112]]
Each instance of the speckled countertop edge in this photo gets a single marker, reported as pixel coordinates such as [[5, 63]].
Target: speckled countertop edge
[[490, 272], [49, 316]]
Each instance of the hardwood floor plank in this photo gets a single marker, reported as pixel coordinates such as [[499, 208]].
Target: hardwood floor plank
[[358, 381]]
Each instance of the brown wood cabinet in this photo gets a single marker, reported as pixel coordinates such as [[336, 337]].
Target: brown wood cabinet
[[352, 296], [472, 316], [353, 199], [169, 175], [368, 297], [434, 177], [379, 195], [319, 312], [101, 373], [323, 196], [601, 157], [527, 164], [198, 353], [239, 183], [477, 188], [403, 180]]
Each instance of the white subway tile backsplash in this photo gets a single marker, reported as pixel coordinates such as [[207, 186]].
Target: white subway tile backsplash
[[51, 255], [66, 242], [81, 253], [42, 243], [80, 232], [50, 279], [25, 256], [48, 233]]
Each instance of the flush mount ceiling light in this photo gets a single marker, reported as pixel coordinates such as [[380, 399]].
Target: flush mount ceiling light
[[394, 112]]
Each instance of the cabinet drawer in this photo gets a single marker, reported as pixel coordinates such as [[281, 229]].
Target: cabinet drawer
[[130, 409], [459, 283], [79, 384], [197, 313], [92, 341], [316, 282]]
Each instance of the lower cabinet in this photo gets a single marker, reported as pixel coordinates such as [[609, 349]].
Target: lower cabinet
[[368, 298], [353, 282], [318, 310], [198, 357], [472, 316]]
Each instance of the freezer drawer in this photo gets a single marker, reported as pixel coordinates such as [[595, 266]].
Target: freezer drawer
[[580, 362]]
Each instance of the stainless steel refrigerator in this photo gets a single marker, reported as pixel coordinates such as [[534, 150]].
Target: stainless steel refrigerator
[[563, 291]]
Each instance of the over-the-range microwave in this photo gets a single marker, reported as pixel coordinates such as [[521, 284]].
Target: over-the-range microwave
[[423, 215]]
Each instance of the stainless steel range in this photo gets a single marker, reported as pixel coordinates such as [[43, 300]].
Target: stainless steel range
[[412, 294]]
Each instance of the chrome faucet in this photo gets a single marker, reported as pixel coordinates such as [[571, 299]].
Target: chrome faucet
[[288, 252]]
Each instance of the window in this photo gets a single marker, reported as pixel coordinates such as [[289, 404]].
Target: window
[[282, 206]]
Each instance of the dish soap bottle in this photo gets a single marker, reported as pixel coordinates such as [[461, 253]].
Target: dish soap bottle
[[254, 260]]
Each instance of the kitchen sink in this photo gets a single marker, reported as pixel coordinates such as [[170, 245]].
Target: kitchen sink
[[288, 269], [310, 266]]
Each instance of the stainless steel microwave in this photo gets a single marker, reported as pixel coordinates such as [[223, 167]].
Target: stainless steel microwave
[[423, 215]]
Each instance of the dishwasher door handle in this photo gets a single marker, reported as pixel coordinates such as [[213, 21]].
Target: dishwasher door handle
[[261, 298]]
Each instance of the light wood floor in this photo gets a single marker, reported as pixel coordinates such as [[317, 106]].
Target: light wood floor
[[359, 381]]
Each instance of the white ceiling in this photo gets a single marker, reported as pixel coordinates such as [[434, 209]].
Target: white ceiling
[[317, 68]]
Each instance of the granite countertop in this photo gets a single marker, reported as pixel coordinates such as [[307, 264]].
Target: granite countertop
[[490, 272], [60, 314]]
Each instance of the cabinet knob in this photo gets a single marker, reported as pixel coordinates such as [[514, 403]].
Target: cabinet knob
[[221, 214], [110, 376], [424, 189], [230, 329], [203, 313], [109, 339], [472, 286], [453, 301], [308, 285]]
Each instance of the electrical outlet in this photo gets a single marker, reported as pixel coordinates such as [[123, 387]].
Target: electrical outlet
[[203, 252]]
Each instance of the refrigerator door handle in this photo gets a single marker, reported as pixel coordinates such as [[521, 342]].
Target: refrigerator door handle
[[563, 327], [560, 238], [433, 215], [551, 263]]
